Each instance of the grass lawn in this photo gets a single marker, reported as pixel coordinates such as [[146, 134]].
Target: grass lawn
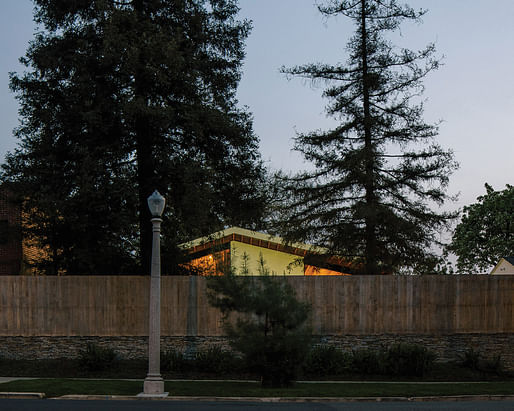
[[58, 387]]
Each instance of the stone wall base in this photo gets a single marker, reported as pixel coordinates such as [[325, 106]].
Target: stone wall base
[[447, 347]]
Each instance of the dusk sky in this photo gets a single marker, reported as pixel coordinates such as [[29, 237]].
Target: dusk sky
[[473, 92]]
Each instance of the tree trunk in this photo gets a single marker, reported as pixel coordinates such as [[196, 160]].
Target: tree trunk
[[144, 149], [370, 253]]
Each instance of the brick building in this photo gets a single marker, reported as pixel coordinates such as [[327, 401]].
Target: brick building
[[11, 250]]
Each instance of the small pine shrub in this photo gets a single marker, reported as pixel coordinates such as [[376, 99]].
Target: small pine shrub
[[271, 332], [95, 358]]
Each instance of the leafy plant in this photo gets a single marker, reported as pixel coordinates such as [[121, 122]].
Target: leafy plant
[[486, 231], [471, 359], [494, 365], [366, 362], [96, 358], [327, 360], [409, 360], [216, 360], [173, 360]]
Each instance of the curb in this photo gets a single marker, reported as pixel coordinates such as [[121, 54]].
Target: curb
[[454, 398], [23, 395]]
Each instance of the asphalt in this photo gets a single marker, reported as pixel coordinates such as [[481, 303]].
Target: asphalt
[[38, 395]]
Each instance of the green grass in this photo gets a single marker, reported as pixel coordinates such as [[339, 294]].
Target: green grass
[[58, 387], [62, 386]]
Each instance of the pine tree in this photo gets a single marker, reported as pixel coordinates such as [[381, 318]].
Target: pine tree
[[123, 97], [378, 172], [270, 329]]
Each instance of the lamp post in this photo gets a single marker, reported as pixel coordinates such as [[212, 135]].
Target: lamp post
[[154, 384]]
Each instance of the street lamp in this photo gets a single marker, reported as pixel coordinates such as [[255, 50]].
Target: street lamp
[[154, 384]]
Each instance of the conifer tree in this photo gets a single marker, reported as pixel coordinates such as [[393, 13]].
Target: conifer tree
[[377, 174], [122, 97], [271, 327]]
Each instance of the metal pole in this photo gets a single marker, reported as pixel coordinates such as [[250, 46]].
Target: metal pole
[[154, 384]]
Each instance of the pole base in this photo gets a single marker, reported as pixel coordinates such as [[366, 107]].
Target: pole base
[[153, 387]]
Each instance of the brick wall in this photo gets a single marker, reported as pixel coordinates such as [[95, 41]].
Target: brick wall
[[10, 240]]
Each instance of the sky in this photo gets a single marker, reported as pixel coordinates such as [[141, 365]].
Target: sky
[[472, 93]]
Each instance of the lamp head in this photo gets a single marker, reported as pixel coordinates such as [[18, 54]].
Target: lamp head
[[156, 204]]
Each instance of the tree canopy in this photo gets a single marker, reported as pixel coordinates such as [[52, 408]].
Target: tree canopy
[[378, 173], [485, 233], [121, 98]]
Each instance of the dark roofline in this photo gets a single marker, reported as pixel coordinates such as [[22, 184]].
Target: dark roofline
[[219, 242]]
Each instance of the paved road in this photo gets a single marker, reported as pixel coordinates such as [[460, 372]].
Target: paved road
[[111, 405]]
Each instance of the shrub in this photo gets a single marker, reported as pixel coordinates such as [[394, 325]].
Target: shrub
[[327, 360], [367, 362], [494, 365], [270, 330], [408, 360], [95, 358], [216, 360], [174, 361], [471, 359]]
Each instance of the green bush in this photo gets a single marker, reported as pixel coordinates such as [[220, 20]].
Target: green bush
[[174, 361], [408, 360], [325, 360], [367, 362], [494, 365], [95, 358], [471, 359], [216, 360]]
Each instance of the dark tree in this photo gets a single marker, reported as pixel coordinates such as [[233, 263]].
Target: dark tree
[[485, 233], [270, 330], [379, 171], [123, 97]]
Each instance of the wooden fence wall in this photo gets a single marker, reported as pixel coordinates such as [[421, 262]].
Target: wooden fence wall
[[359, 305]]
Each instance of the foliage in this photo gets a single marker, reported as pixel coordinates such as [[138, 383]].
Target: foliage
[[269, 330], [485, 233], [474, 360], [327, 360], [409, 360], [212, 360], [367, 362], [120, 99], [398, 360], [96, 358], [216, 361], [377, 174], [471, 359], [173, 360]]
